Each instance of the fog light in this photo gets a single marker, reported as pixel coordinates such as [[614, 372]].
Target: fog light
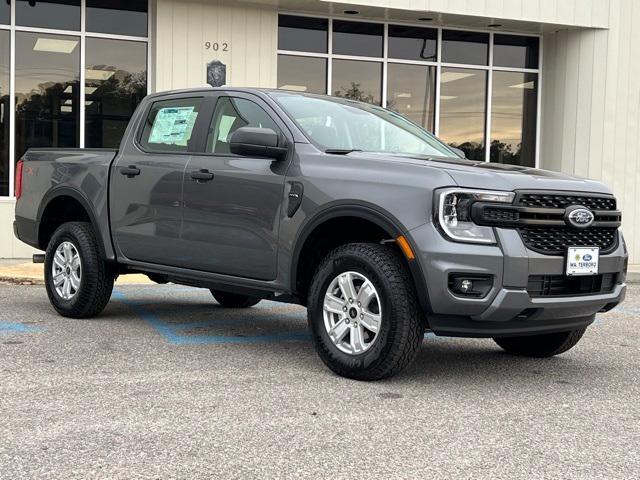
[[466, 285], [470, 285]]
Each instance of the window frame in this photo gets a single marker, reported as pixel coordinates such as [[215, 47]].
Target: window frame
[[83, 34], [438, 63], [196, 139]]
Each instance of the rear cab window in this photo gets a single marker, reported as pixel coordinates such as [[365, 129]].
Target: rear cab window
[[170, 124]]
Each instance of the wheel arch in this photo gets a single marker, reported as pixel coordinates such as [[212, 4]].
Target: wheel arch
[[73, 207], [369, 214]]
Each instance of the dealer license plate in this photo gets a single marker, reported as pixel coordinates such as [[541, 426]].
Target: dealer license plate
[[582, 260]]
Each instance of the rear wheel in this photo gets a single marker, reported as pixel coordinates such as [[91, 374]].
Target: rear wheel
[[546, 345], [78, 281], [234, 300], [363, 313]]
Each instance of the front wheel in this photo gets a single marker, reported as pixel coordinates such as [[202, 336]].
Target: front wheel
[[78, 281], [363, 312], [540, 346], [234, 300]]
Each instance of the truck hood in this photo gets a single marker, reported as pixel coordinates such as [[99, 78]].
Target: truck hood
[[496, 176]]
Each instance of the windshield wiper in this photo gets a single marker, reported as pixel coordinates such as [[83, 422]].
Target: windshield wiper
[[341, 151]]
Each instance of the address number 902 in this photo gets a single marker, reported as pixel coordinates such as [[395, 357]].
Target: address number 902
[[215, 46]]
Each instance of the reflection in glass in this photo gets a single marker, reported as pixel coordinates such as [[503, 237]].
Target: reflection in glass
[[470, 48], [302, 74], [60, 14], [357, 38], [115, 82], [411, 92], [5, 53], [513, 118], [358, 80], [462, 110], [5, 12], [122, 17], [514, 51], [412, 43], [304, 34], [47, 91]]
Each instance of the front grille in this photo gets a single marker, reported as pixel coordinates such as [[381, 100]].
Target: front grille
[[561, 285], [554, 240], [555, 200]]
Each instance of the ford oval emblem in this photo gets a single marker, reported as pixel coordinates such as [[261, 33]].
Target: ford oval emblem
[[579, 217], [587, 258]]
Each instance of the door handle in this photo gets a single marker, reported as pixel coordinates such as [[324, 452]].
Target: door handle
[[203, 175], [130, 171]]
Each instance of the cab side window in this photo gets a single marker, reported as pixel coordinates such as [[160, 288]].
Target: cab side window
[[169, 125], [231, 114]]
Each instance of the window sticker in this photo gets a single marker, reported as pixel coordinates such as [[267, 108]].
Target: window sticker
[[173, 126]]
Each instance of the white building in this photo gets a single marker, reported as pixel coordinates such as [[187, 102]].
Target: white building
[[548, 83]]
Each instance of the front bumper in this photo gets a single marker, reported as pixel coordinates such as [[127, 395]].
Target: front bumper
[[507, 309]]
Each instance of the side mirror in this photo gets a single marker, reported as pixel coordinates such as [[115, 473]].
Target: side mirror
[[257, 142], [460, 153]]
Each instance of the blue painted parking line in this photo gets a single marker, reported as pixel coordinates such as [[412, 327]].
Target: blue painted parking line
[[14, 327]]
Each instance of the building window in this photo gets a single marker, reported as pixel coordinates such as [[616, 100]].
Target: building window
[[58, 14], [121, 17], [463, 94], [487, 82], [47, 91], [115, 83], [5, 62], [55, 104]]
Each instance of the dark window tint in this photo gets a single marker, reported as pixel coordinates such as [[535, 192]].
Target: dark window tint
[[5, 53], [411, 92], [302, 74], [470, 48], [115, 82], [47, 91], [516, 52], [304, 34], [463, 95], [413, 43], [232, 114], [60, 14], [5, 12], [357, 80], [513, 118], [123, 17], [169, 125], [357, 38]]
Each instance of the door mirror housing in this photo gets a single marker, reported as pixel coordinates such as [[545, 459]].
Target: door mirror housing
[[257, 142]]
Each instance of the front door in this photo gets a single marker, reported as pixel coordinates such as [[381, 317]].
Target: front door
[[146, 184], [232, 204]]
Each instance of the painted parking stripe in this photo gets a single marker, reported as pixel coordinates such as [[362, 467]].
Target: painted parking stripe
[[14, 327]]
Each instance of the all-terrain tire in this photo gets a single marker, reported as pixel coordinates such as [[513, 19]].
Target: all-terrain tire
[[540, 346], [401, 330], [96, 279], [234, 300]]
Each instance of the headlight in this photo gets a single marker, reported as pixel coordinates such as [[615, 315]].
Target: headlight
[[454, 213]]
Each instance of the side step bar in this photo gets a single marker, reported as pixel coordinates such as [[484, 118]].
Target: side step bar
[[38, 258]]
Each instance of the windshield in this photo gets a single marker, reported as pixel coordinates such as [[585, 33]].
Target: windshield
[[341, 124]]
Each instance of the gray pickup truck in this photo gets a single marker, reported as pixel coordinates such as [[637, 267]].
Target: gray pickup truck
[[381, 230]]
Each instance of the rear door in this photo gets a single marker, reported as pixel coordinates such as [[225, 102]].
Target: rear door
[[146, 181], [232, 203]]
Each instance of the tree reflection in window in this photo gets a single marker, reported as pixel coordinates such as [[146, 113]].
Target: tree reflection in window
[[115, 83]]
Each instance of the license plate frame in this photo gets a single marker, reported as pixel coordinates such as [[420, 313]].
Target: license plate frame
[[575, 263]]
